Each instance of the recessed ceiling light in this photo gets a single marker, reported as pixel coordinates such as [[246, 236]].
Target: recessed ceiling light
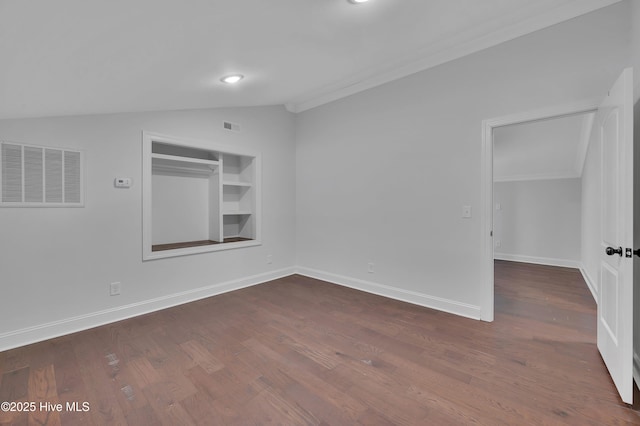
[[231, 79], [357, 1]]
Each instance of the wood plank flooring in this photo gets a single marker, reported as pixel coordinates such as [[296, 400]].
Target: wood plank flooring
[[301, 351]]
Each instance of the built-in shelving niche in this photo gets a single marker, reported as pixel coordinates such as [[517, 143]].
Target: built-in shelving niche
[[198, 197]]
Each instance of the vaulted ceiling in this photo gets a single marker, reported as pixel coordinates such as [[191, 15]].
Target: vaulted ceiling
[[95, 56], [546, 149]]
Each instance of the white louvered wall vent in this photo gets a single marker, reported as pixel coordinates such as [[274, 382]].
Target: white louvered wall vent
[[36, 176]]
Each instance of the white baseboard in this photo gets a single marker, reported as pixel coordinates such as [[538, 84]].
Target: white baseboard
[[549, 261], [433, 302], [590, 283], [50, 330], [26, 336]]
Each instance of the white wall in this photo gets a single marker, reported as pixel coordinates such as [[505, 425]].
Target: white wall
[[591, 211], [382, 175], [182, 200], [57, 263], [539, 221], [634, 16]]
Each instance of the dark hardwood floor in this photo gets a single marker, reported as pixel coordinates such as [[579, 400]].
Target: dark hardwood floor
[[301, 351], [173, 246]]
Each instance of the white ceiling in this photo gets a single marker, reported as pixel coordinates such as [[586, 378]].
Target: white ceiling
[[545, 149], [98, 56]]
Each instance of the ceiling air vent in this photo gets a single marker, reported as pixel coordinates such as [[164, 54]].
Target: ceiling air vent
[[34, 176]]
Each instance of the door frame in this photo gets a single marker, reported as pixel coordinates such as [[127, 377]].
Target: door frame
[[586, 106]]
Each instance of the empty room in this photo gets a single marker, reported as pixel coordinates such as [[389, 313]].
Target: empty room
[[316, 212]]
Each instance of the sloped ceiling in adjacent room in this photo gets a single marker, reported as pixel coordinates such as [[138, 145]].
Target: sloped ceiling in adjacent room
[[89, 56], [545, 149]]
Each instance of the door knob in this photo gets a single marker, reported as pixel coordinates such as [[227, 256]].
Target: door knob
[[611, 251], [637, 252]]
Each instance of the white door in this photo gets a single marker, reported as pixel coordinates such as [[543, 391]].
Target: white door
[[615, 305]]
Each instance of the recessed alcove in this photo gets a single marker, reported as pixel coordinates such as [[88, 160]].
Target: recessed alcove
[[198, 197]]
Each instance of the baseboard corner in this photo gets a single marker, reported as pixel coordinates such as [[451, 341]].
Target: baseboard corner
[[421, 299], [590, 283]]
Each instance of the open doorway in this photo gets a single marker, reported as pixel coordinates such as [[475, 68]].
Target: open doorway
[[522, 170], [609, 256], [537, 227], [537, 190]]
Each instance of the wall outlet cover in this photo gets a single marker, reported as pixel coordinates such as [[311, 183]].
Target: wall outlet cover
[[115, 288], [466, 212]]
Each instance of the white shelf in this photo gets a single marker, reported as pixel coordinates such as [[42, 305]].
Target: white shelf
[[232, 183], [164, 163], [185, 159], [237, 213]]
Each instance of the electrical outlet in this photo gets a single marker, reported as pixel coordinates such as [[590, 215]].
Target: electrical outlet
[[466, 212], [114, 288], [370, 267], [269, 259], [498, 243]]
